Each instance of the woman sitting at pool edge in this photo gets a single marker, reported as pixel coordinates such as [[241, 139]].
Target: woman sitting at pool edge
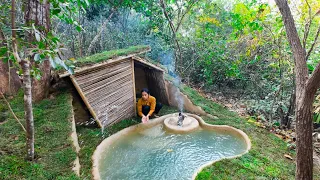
[[147, 106]]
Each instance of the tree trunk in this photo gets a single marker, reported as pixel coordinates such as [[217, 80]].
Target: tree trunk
[[80, 34], [26, 85], [177, 48], [28, 109], [38, 12], [9, 79], [287, 121], [305, 91], [40, 88], [304, 137]]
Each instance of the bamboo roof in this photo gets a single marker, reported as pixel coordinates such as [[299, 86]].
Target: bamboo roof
[[109, 57]]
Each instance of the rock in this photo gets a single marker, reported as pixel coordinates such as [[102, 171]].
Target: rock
[[169, 150], [51, 96], [316, 137], [316, 162]]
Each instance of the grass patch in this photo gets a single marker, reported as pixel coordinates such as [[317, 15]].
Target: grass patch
[[90, 138], [99, 57], [55, 155], [266, 158], [53, 146]]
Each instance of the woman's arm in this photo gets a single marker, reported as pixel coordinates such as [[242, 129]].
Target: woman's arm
[[139, 104]]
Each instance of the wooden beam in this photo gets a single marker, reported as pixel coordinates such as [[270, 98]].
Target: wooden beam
[[85, 100], [139, 59], [134, 89], [107, 61]]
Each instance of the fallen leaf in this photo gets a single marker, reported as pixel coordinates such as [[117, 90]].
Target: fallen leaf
[[251, 120], [288, 156]]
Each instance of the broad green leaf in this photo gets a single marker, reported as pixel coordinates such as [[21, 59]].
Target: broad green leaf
[[310, 67], [78, 28], [37, 57], [37, 35], [53, 64], [56, 11], [41, 45], [87, 2], [3, 51]]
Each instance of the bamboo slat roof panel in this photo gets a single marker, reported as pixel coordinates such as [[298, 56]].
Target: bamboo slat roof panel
[[108, 92], [105, 58]]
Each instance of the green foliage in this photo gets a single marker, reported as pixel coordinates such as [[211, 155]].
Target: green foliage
[[67, 10], [240, 49], [266, 158], [53, 148], [42, 43]]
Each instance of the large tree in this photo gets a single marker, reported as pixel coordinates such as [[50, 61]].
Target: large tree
[[37, 13], [25, 66], [181, 14], [306, 87], [9, 79]]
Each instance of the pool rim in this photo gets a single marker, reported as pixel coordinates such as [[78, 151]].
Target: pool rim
[[138, 127]]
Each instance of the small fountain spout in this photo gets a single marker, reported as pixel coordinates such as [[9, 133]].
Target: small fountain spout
[[180, 119]]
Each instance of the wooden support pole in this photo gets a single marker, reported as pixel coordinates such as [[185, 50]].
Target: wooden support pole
[[134, 89]]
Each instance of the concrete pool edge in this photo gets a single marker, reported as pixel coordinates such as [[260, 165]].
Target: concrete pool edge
[[108, 141], [223, 128]]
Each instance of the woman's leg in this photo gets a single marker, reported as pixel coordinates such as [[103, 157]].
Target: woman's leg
[[145, 110], [158, 107]]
